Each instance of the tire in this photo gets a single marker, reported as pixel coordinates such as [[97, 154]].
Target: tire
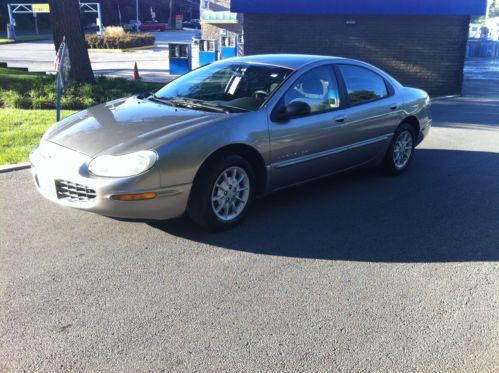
[[213, 190], [401, 150]]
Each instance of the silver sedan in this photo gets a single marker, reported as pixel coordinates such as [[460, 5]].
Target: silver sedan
[[213, 139]]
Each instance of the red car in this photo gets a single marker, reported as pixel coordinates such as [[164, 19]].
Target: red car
[[153, 26]]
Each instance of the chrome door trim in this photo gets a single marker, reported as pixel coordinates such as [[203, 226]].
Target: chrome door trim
[[331, 151]]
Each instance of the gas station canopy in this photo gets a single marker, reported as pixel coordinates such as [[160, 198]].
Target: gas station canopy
[[400, 7]]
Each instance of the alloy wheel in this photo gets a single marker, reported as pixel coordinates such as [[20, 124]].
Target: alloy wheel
[[230, 193], [402, 149]]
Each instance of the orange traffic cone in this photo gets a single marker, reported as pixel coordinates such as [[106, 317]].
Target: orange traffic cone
[[136, 75]]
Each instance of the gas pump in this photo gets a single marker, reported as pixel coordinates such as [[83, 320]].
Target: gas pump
[[208, 51], [180, 57], [228, 47]]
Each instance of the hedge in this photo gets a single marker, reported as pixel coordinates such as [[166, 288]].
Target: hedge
[[119, 42]]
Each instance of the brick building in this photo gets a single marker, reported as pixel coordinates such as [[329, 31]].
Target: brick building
[[216, 18], [420, 42]]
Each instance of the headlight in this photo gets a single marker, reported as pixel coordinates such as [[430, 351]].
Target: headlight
[[123, 165]]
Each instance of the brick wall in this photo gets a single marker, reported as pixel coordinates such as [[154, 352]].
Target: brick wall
[[420, 51], [212, 31]]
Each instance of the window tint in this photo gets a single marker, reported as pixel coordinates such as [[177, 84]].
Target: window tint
[[318, 88], [362, 85]]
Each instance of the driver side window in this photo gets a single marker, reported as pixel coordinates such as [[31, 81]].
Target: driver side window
[[318, 88]]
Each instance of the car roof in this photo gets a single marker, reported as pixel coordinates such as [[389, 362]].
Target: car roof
[[291, 61]]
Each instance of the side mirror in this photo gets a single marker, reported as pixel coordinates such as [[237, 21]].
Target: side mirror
[[294, 109], [143, 95]]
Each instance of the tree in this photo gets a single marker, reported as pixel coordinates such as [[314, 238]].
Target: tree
[[65, 21], [170, 19]]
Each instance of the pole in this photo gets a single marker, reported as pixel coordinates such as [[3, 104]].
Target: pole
[[36, 23], [119, 13], [12, 23], [11, 16], [58, 101], [137, 10], [101, 29]]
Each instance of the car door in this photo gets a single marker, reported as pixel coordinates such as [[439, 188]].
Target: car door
[[306, 146], [371, 112]]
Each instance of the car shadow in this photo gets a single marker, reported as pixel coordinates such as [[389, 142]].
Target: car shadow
[[445, 208]]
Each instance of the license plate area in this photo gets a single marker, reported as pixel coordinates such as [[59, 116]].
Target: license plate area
[[46, 185]]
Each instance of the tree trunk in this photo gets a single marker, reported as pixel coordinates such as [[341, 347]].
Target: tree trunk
[[65, 21]]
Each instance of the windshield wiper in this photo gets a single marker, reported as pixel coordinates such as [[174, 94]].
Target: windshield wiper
[[161, 100], [193, 103]]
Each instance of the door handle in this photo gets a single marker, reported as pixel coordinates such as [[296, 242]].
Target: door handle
[[394, 106], [340, 118]]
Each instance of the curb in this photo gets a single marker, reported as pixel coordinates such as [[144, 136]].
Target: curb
[[24, 41], [15, 167], [112, 50], [439, 98]]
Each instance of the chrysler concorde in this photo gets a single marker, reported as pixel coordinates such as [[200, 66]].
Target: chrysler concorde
[[210, 141]]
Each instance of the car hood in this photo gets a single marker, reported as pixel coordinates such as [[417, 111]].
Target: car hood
[[125, 125]]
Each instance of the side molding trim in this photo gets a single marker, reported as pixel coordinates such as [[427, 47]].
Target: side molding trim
[[328, 152]]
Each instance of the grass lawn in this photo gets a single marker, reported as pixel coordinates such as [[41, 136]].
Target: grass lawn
[[21, 130], [27, 38]]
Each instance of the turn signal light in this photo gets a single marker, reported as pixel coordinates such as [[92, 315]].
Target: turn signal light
[[134, 197]]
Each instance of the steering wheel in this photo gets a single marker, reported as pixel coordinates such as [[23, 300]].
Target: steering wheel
[[258, 93]]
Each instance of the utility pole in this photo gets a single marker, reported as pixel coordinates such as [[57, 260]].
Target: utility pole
[[170, 19], [137, 10]]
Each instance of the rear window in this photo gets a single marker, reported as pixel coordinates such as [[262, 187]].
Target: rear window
[[362, 85]]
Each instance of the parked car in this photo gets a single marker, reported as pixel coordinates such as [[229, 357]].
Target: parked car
[[192, 24], [213, 139], [132, 25], [91, 27], [153, 26]]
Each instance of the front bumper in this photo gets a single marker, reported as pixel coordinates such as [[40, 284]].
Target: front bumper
[[54, 165]]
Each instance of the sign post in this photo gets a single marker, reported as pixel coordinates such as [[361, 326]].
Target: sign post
[[62, 66]]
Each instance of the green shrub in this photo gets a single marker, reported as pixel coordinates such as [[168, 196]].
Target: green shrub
[[87, 90], [88, 101], [115, 93], [74, 103], [37, 91], [15, 100]]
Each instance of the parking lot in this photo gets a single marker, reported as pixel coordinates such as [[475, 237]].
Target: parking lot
[[152, 63], [358, 272]]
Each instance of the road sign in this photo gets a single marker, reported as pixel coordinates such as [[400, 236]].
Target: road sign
[[40, 8]]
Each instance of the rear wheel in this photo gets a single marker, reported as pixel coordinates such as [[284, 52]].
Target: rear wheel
[[222, 193], [401, 150]]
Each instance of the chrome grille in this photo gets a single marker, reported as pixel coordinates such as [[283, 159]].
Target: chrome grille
[[73, 192]]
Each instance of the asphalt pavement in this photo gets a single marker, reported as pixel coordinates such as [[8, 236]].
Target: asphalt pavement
[[359, 272]]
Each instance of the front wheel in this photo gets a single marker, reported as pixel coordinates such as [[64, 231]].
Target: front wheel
[[222, 193], [401, 150]]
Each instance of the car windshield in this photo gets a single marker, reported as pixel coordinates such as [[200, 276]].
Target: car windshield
[[233, 87]]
